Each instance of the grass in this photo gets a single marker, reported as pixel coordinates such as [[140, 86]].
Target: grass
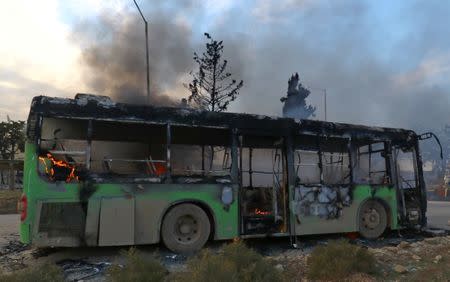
[[41, 273], [338, 260], [9, 200], [235, 262], [10, 194], [138, 269]]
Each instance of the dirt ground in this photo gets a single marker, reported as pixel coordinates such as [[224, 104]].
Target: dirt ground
[[413, 257], [401, 256], [9, 227]]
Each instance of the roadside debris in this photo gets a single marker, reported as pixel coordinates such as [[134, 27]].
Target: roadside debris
[[436, 232], [174, 262], [13, 246], [400, 269], [80, 270], [437, 259], [12, 255], [397, 253]]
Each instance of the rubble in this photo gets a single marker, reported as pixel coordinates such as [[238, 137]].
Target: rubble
[[416, 257], [13, 246], [403, 245], [437, 259], [403, 254], [400, 269], [394, 254], [12, 255], [80, 270]]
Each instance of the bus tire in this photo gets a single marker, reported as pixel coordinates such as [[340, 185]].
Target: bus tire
[[372, 219], [185, 229]]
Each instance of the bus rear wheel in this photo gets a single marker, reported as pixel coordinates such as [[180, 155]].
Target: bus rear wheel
[[372, 219], [185, 229]]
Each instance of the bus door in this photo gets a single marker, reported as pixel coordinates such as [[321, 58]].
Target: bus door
[[262, 184], [322, 188], [410, 182]]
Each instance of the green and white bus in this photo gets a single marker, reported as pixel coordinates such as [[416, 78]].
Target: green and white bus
[[100, 173]]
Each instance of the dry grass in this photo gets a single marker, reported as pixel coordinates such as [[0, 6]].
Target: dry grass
[[10, 194], [42, 273], [339, 260], [138, 269], [235, 262], [9, 200]]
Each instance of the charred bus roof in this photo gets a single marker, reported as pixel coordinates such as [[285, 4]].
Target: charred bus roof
[[85, 106]]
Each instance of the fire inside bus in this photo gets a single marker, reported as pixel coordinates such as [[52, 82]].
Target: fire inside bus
[[100, 173]]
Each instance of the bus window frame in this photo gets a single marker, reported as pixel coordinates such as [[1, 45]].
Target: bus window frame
[[319, 146], [168, 176], [386, 151]]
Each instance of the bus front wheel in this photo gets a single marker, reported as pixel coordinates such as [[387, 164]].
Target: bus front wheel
[[372, 219], [185, 229]]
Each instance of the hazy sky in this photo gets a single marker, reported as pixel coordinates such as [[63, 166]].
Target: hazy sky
[[382, 62]]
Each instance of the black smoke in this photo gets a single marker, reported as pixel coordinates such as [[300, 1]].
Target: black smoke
[[372, 76], [114, 56]]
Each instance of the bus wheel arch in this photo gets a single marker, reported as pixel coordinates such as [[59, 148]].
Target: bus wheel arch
[[181, 221], [373, 218]]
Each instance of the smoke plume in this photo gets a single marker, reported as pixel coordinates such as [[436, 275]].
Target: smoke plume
[[377, 69], [114, 56]]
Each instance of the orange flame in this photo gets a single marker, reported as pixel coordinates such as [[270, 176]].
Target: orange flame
[[261, 212], [50, 171]]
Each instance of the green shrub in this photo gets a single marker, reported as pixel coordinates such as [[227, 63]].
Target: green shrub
[[137, 269], [236, 262], [338, 260], [41, 273]]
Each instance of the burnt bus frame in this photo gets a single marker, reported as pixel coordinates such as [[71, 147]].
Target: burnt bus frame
[[43, 106]]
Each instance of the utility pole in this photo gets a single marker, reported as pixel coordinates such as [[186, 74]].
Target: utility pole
[[325, 102], [146, 51]]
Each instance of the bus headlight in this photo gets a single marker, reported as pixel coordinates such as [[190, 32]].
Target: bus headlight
[[227, 195]]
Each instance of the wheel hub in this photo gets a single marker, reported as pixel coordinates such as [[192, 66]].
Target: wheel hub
[[186, 228], [371, 218]]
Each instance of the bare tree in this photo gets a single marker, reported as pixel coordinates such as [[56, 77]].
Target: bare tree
[[212, 87]]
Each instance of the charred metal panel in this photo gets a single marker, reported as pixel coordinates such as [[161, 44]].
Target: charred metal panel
[[348, 219], [50, 226], [116, 222], [92, 221], [361, 132], [322, 201], [347, 222], [148, 219], [98, 109], [320, 210], [62, 219]]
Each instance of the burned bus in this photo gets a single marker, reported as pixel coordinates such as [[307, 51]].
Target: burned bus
[[100, 173]]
